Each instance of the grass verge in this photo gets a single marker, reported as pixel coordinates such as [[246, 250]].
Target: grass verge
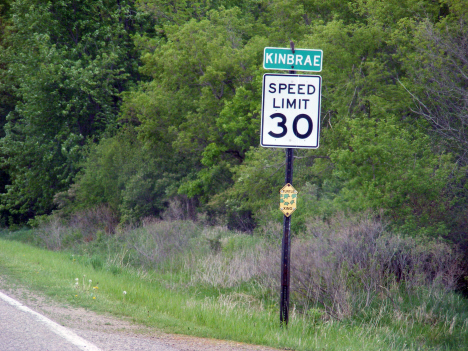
[[428, 324]]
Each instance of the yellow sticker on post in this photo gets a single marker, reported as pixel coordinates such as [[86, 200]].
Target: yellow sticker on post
[[288, 199]]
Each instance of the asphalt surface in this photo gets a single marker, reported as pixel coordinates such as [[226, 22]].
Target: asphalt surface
[[20, 330], [31, 322], [23, 329]]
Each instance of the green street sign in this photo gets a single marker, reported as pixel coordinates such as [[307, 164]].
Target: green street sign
[[285, 59]]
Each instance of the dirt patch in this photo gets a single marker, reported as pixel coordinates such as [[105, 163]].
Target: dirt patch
[[117, 334]]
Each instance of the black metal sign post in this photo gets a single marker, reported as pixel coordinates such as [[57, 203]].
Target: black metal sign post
[[284, 97], [286, 244], [286, 248]]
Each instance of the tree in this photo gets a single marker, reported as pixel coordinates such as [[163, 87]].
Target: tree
[[202, 66], [368, 128], [436, 66], [438, 82], [69, 62], [7, 96]]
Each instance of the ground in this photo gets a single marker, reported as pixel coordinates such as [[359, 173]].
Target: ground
[[117, 334]]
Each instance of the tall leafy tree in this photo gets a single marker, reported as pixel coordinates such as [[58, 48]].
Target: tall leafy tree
[[69, 62], [368, 127], [202, 66], [7, 99], [197, 114], [7, 96], [436, 63]]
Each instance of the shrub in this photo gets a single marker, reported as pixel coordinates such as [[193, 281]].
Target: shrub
[[342, 266], [222, 269], [57, 233], [156, 241]]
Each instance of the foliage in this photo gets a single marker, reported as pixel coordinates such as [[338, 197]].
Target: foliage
[[413, 190], [119, 172], [88, 127], [232, 293], [213, 56], [119, 111], [68, 69]]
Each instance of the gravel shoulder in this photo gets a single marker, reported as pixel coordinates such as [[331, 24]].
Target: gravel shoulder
[[117, 334]]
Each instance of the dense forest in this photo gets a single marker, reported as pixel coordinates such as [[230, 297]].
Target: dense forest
[[152, 108]]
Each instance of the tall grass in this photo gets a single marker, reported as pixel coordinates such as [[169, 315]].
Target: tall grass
[[354, 285]]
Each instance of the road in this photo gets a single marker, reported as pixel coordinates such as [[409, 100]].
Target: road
[[22, 328], [30, 322]]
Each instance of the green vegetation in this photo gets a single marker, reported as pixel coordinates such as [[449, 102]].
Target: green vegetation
[[131, 127], [229, 290], [143, 105]]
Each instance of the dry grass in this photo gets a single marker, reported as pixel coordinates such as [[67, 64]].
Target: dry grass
[[57, 233], [156, 241], [340, 267], [344, 265], [256, 263], [351, 278]]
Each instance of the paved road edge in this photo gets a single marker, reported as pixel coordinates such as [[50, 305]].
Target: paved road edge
[[65, 333]]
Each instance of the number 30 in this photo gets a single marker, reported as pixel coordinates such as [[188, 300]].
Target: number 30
[[282, 125]]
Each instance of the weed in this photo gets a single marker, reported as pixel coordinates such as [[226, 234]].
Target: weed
[[354, 285]]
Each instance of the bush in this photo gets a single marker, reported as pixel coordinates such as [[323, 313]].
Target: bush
[[223, 269], [156, 241], [122, 174], [57, 233], [339, 267], [342, 266]]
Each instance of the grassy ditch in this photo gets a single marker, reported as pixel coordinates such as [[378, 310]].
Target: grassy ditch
[[354, 285]]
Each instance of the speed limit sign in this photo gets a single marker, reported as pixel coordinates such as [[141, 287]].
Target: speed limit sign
[[291, 111]]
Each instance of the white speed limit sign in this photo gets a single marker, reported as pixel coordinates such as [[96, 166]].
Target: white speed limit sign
[[291, 111]]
